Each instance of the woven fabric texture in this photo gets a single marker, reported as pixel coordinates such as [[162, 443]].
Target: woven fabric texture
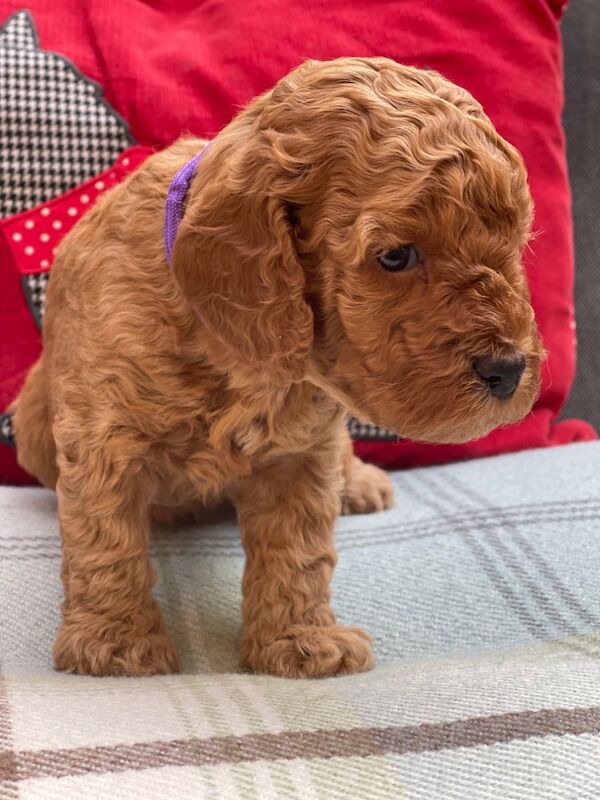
[[481, 590]]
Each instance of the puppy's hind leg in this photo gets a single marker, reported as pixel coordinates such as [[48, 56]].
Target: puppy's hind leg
[[32, 420], [366, 487]]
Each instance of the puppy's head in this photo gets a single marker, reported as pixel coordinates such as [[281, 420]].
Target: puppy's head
[[361, 226]]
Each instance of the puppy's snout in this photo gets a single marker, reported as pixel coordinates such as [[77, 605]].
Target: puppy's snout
[[501, 375]]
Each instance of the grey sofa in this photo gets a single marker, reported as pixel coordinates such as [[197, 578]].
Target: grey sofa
[[480, 588], [581, 34]]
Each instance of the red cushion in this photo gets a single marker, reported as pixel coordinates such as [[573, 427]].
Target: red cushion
[[176, 65]]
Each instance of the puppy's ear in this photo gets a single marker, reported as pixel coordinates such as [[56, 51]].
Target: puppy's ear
[[235, 260]]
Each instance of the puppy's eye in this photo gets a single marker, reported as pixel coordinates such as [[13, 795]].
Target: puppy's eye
[[400, 258]]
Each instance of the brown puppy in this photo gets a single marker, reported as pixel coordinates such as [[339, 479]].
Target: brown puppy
[[351, 241]]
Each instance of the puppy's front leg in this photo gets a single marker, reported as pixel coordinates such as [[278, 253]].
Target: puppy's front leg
[[111, 624], [287, 514]]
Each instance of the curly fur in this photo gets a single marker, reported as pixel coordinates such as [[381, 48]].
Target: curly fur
[[230, 376]]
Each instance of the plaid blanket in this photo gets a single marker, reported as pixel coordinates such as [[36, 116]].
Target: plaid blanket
[[481, 588]]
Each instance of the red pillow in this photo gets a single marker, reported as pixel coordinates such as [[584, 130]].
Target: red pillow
[[177, 65]]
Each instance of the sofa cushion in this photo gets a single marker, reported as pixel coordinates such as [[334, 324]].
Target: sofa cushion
[[189, 66], [480, 588]]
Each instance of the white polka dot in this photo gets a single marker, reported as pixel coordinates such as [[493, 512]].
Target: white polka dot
[[17, 237], [72, 212], [99, 185], [54, 249], [125, 162], [45, 212], [85, 198], [44, 262], [30, 224], [57, 224], [29, 251], [113, 176], [44, 237]]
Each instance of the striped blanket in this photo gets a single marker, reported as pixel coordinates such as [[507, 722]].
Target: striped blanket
[[480, 587]]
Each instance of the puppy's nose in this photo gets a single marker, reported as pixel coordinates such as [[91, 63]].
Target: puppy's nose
[[501, 375]]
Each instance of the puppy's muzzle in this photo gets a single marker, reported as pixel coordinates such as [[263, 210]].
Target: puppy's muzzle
[[501, 376]]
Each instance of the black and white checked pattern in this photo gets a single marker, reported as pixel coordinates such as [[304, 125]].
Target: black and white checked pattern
[[369, 432], [35, 287], [19, 32], [7, 434], [56, 131]]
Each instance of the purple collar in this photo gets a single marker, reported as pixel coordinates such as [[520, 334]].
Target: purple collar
[[176, 196]]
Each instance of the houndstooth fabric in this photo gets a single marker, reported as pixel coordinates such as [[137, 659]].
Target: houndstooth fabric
[[19, 32], [7, 435], [369, 432], [56, 131], [35, 286]]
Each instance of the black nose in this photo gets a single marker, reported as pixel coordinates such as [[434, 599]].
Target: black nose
[[502, 375]]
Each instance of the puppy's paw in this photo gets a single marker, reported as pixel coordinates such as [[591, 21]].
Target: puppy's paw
[[91, 646], [367, 489], [310, 651]]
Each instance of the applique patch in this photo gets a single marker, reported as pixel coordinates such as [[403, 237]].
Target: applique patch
[[57, 130]]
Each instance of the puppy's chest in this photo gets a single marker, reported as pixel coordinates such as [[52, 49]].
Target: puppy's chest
[[291, 423], [227, 441]]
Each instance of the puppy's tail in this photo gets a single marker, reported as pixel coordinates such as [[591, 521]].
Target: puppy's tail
[[32, 420]]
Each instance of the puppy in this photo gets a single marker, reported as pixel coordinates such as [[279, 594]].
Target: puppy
[[350, 242]]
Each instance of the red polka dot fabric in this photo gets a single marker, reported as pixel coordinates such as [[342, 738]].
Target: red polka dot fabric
[[33, 236]]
